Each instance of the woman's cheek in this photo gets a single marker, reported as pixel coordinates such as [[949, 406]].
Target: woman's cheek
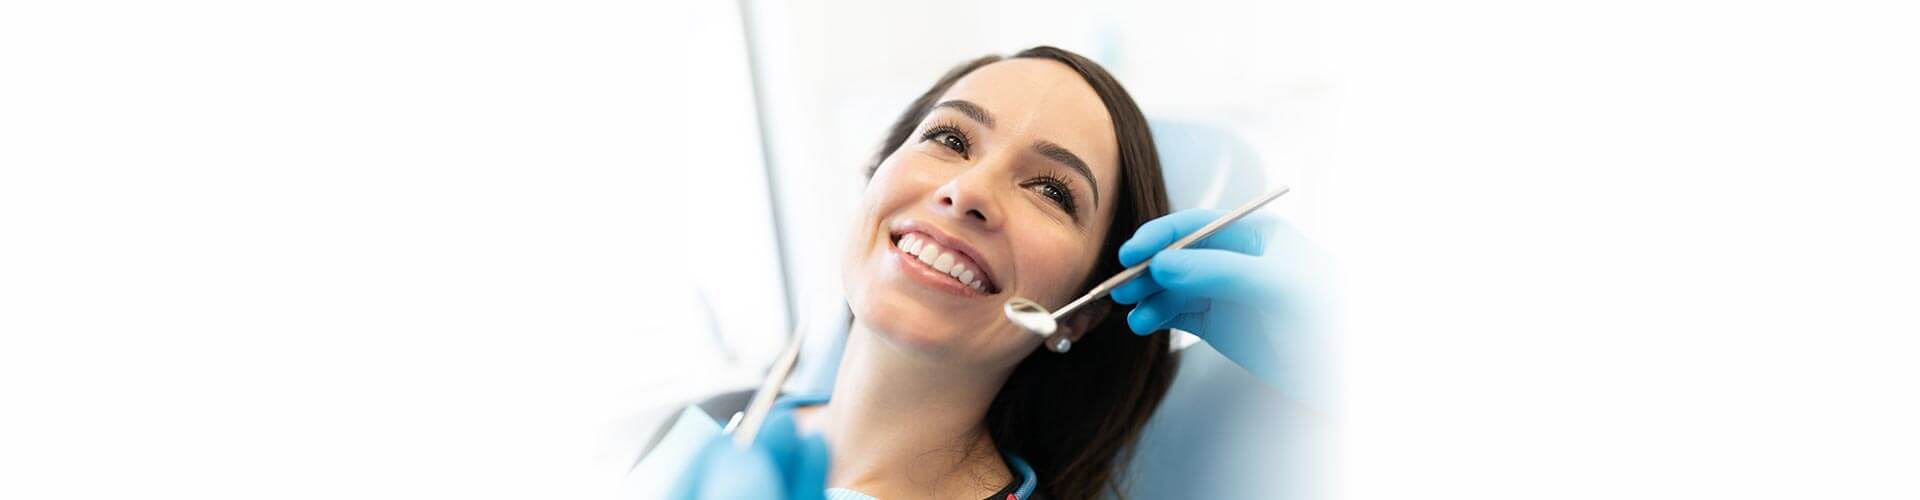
[[1058, 281]]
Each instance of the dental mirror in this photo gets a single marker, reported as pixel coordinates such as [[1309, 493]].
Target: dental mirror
[[1031, 316], [1035, 319]]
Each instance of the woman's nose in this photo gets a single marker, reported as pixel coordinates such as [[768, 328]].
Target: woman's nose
[[969, 196]]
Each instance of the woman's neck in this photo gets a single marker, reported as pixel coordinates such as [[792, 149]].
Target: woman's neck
[[899, 426]]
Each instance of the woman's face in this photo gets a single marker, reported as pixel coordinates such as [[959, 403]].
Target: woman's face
[[1007, 187]]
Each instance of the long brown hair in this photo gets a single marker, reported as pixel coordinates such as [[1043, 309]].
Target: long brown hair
[[1075, 417]]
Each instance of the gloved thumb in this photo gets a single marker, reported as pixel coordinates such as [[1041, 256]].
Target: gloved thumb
[[802, 460]]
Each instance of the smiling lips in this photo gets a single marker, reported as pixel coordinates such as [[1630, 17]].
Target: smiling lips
[[955, 264]]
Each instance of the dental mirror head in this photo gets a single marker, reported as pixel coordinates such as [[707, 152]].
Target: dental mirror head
[[1035, 319], [1031, 316]]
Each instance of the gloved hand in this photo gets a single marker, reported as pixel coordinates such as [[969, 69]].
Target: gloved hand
[[781, 465], [1245, 291]]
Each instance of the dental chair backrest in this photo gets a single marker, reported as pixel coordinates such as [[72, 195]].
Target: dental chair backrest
[[1220, 433]]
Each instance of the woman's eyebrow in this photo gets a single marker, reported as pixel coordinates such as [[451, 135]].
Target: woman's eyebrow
[[1046, 148], [970, 109], [1060, 154]]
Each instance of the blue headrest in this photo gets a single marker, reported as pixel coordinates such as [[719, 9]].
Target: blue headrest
[[1205, 166]]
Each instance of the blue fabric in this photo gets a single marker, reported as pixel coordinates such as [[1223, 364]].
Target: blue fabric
[[1028, 480]]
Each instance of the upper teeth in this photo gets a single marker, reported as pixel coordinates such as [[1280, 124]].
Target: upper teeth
[[945, 260]]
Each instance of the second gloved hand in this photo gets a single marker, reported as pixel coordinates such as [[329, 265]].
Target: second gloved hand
[[781, 465]]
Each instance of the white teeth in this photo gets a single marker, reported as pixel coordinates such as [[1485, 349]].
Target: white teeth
[[943, 260], [929, 252]]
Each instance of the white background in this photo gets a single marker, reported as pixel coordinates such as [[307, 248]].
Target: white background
[[415, 248]]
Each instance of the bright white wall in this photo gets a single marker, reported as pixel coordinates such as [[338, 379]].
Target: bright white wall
[[1627, 249], [409, 249]]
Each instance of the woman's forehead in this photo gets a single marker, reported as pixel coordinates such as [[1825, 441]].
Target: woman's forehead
[[1038, 99]]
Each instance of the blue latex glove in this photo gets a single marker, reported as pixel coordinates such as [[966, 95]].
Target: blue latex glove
[[1243, 290], [781, 465]]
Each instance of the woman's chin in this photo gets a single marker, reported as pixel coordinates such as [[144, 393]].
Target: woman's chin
[[929, 323], [920, 341], [920, 332]]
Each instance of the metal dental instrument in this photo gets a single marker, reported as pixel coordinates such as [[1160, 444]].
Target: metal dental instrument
[[1034, 318], [762, 403]]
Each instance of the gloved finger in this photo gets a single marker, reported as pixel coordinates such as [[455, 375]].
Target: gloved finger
[[1193, 322], [1153, 314], [802, 461], [1219, 274], [1132, 292], [1243, 236]]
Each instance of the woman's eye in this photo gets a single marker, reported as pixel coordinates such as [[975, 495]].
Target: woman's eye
[[1057, 193], [952, 140]]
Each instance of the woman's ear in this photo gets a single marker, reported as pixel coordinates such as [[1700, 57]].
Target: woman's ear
[[1077, 323], [1085, 318]]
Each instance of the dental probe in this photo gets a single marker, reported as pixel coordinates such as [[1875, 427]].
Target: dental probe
[[1034, 318], [761, 405]]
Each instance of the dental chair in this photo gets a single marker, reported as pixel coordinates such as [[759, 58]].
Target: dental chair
[[1219, 433]]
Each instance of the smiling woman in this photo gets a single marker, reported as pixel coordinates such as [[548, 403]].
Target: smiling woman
[[1010, 177], [989, 186]]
